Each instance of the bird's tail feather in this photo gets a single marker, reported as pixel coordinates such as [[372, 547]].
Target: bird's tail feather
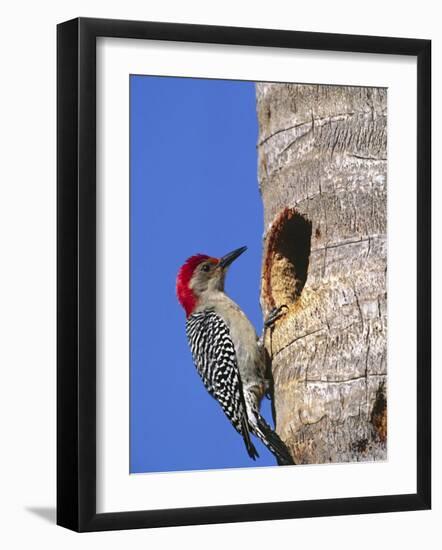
[[272, 441], [253, 453]]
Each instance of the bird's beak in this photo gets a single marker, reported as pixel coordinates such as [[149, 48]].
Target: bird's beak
[[226, 260]]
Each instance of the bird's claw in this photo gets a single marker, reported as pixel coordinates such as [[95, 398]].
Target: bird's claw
[[274, 315]]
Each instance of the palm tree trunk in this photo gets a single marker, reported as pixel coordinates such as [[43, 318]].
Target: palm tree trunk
[[323, 172]]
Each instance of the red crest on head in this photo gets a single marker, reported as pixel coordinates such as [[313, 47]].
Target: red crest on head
[[184, 293]]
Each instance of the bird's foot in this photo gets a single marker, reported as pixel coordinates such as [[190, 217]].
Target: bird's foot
[[274, 315], [268, 390]]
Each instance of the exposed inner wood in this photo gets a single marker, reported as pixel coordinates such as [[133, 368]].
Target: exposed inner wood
[[286, 259]]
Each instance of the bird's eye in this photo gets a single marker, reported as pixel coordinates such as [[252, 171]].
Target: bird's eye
[[206, 267]]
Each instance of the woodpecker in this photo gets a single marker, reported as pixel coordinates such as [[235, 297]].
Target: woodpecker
[[226, 349]]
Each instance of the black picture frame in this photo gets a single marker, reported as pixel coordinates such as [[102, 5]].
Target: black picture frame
[[76, 274]]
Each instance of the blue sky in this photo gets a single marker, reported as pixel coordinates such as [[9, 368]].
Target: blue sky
[[194, 190]]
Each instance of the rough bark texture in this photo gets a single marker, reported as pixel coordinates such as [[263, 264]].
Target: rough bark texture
[[322, 172]]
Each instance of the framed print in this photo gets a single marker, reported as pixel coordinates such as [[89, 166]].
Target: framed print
[[243, 274]]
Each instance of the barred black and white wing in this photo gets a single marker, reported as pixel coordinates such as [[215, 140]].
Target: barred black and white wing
[[215, 359]]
